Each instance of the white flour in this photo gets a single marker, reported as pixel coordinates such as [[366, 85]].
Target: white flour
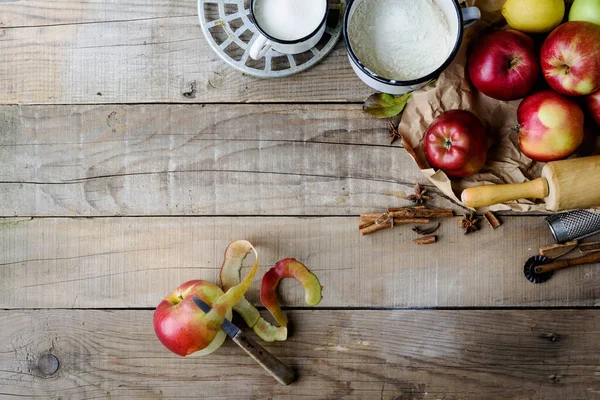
[[400, 39]]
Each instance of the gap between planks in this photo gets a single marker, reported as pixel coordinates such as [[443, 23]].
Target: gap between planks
[[508, 214]]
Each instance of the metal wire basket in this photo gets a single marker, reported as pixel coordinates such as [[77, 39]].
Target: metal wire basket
[[230, 32]]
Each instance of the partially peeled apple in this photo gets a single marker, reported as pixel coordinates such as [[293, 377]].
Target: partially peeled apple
[[185, 329]]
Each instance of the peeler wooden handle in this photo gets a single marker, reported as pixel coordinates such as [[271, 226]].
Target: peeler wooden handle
[[281, 372], [561, 264], [486, 195]]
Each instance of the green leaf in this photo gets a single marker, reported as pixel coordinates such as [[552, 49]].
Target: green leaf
[[382, 105]]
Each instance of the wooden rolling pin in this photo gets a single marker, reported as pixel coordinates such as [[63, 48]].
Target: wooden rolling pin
[[564, 185]]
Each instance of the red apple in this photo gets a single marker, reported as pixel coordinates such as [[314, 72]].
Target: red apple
[[570, 58], [456, 143], [593, 103], [504, 65], [185, 329], [180, 325], [551, 126]]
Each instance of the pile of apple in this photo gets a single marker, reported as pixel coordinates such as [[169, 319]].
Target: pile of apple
[[506, 65]]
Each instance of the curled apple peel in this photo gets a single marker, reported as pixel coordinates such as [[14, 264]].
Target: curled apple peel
[[185, 329], [288, 268], [235, 254]]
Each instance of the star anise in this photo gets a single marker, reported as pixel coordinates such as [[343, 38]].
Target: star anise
[[394, 133], [419, 195], [469, 223]]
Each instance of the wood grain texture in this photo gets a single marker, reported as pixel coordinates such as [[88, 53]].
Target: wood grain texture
[[281, 372], [38, 13], [135, 262], [408, 355], [200, 160], [148, 59]]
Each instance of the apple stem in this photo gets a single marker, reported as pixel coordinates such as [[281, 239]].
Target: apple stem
[[512, 62], [567, 69]]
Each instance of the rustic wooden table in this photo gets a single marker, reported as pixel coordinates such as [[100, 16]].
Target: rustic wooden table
[[131, 155]]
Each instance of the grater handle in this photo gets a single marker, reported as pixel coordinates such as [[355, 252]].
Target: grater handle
[[562, 264]]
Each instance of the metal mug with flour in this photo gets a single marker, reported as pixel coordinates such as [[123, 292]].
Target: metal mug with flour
[[387, 28], [287, 26]]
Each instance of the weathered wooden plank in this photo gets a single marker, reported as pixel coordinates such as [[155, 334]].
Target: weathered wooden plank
[[148, 60], [190, 159], [135, 262], [337, 354], [36, 13]]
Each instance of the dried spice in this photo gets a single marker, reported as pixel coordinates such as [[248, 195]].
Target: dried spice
[[421, 211], [419, 196], [373, 222], [469, 223], [372, 228], [491, 219], [426, 231], [426, 240], [394, 133]]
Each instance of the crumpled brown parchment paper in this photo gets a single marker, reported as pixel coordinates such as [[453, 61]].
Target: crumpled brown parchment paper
[[452, 90]]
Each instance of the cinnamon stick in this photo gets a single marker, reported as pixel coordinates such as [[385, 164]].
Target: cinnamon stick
[[370, 216], [426, 240], [491, 219], [414, 212], [590, 247], [399, 216], [409, 220], [368, 219], [555, 251], [421, 207], [364, 224], [374, 228], [365, 221], [423, 212]]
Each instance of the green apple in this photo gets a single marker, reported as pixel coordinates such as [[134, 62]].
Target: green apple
[[585, 10]]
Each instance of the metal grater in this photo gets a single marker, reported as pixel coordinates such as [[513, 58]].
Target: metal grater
[[573, 225]]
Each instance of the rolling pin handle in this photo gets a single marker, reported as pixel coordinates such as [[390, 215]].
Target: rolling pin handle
[[487, 195]]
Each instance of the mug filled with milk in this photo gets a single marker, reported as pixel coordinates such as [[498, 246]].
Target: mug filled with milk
[[288, 26], [396, 46]]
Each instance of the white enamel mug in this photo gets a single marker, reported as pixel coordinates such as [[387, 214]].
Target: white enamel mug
[[264, 42], [459, 18]]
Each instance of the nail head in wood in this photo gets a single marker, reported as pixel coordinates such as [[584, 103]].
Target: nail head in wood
[[48, 364]]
